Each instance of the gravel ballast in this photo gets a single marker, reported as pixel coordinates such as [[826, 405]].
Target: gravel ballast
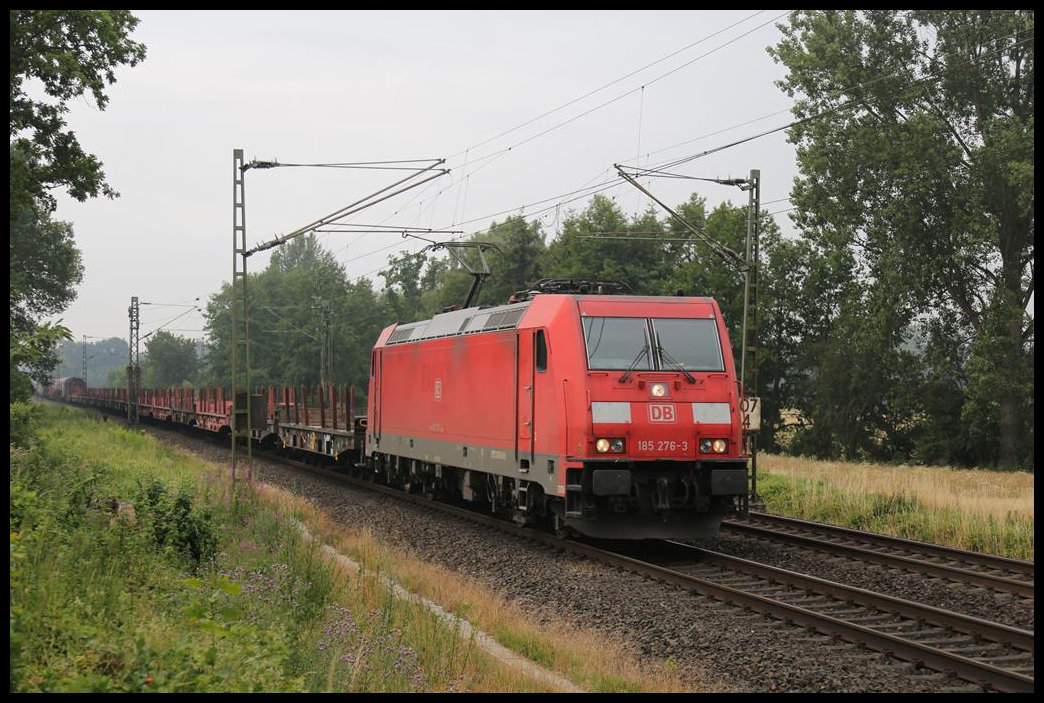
[[742, 651]]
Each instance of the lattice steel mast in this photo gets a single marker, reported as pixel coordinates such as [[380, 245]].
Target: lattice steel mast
[[133, 365]]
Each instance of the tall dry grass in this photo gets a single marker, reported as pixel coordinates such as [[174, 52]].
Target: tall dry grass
[[595, 661], [983, 510]]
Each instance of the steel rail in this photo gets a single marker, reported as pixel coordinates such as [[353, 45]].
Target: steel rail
[[989, 561], [867, 552], [966, 668]]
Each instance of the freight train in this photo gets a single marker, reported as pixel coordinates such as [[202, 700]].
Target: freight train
[[67, 387], [605, 416]]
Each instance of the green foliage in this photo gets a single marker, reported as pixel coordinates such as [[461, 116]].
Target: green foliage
[[528, 644], [925, 178], [239, 656], [516, 259], [96, 607], [66, 488], [613, 684], [72, 53], [177, 526], [516, 263], [856, 401], [33, 356], [578, 253], [25, 419], [169, 360], [286, 321], [104, 356], [403, 286], [45, 269]]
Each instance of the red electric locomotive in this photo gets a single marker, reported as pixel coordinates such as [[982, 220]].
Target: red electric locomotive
[[610, 416]]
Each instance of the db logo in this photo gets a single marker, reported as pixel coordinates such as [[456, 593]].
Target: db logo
[[661, 413]]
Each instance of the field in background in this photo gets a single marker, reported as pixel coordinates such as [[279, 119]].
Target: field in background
[[981, 510]]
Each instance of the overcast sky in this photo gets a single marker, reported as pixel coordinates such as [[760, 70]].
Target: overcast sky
[[527, 108]]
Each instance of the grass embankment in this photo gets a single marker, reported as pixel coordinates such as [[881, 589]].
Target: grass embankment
[[191, 590], [981, 510], [595, 662]]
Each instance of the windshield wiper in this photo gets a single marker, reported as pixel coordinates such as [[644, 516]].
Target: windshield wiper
[[671, 360], [627, 374]]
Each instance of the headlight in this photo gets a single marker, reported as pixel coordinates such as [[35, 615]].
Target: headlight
[[616, 446], [602, 446], [714, 446], [658, 390]]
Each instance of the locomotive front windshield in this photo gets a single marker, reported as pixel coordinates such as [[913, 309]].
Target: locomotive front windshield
[[687, 344], [621, 343], [617, 343]]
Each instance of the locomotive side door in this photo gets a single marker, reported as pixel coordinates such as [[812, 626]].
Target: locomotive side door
[[375, 371], [524, 398]]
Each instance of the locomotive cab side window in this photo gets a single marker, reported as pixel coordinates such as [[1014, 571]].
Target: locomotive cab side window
[[541, 352]]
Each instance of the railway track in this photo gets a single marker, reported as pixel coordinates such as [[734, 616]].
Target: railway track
[[987, 654], [997, 573], [993, 655]]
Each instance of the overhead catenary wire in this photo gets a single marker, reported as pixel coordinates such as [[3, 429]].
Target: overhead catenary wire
[[404, 164], [496, 155], [629, 92], [925, 80], [617, 182], [466, 176], [178, 317], [606, 85], [358, 205], [364, 165], [585, 192]]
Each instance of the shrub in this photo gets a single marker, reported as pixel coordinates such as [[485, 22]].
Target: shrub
[[25, 419], [176, 524]]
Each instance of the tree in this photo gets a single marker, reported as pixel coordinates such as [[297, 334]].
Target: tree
[[45, 268], [103, 357], [67, 53], [170, 360], [71, 53], [444, 282], [700, 271], [33, 355], [916, 151], [402, 287], [517, 262], [624, 255], [302, 288]]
